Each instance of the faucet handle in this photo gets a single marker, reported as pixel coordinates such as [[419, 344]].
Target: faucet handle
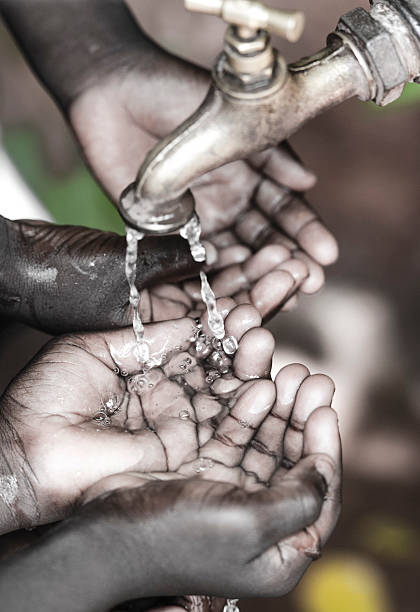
[[251, 16]]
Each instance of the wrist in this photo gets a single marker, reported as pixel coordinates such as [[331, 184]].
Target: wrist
[[69, 569], [19, 506], [72, 44]]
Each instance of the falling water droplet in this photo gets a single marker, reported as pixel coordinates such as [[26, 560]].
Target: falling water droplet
[[192, 232], [141, 350], [230, 345]]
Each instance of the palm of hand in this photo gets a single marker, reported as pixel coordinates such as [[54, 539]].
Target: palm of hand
[[258, 540], [244, 206], [83, 411]]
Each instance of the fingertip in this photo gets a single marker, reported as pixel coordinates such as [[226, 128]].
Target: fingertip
[[325, 383], [224, 306], [254, 354], [300, 178], [316, 278], [241, 319], [296, 268], [291, 304], [288, 381], [272, 290], [318, 242], [322, 439]]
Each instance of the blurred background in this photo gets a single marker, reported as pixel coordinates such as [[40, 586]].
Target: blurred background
[[363, 329]]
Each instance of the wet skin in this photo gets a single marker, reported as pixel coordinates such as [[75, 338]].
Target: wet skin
[[241, 431], [280, 432], [81, 410], [244, 207], [121, 93]]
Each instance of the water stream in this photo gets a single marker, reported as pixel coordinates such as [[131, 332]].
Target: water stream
[[192, 232], [141, 348]]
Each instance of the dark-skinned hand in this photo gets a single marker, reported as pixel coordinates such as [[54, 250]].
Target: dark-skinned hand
[[243, 207], [121, 93], [243, 518], [65, 278], [81, 410]]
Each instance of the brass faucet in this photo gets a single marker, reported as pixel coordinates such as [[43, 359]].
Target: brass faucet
[[256, 100]]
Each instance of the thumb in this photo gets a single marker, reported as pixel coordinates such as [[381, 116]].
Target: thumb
[[290, 504]]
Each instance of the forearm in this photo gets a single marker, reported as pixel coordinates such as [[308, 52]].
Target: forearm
[[73, 44], [65, 571]]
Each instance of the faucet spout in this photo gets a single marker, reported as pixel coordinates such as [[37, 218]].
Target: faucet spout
[[256, 101], [226, 128]]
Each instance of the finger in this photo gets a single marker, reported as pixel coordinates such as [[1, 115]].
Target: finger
[[316, 278], [253, 228], [253, 357], [291, 304], [289, 505], [277, 237], [265, 260], [322, 442], [266, 450], [293, 215], [223, 240], [231, 256], [234, 433], [272, 291], [224, 306], [123, 451], [241, 319], [117, 348], [315, 391], [283, 166], [267, 291], [239, 277]]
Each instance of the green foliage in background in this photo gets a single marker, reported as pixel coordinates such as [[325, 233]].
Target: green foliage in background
[[409, 97], [74, 199]]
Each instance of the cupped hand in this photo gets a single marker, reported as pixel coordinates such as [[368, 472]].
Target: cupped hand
[[244, 206], [245, 518], [82, 410]]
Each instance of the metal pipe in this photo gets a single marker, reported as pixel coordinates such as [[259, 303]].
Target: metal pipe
[[361, 59], [224, 128]]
